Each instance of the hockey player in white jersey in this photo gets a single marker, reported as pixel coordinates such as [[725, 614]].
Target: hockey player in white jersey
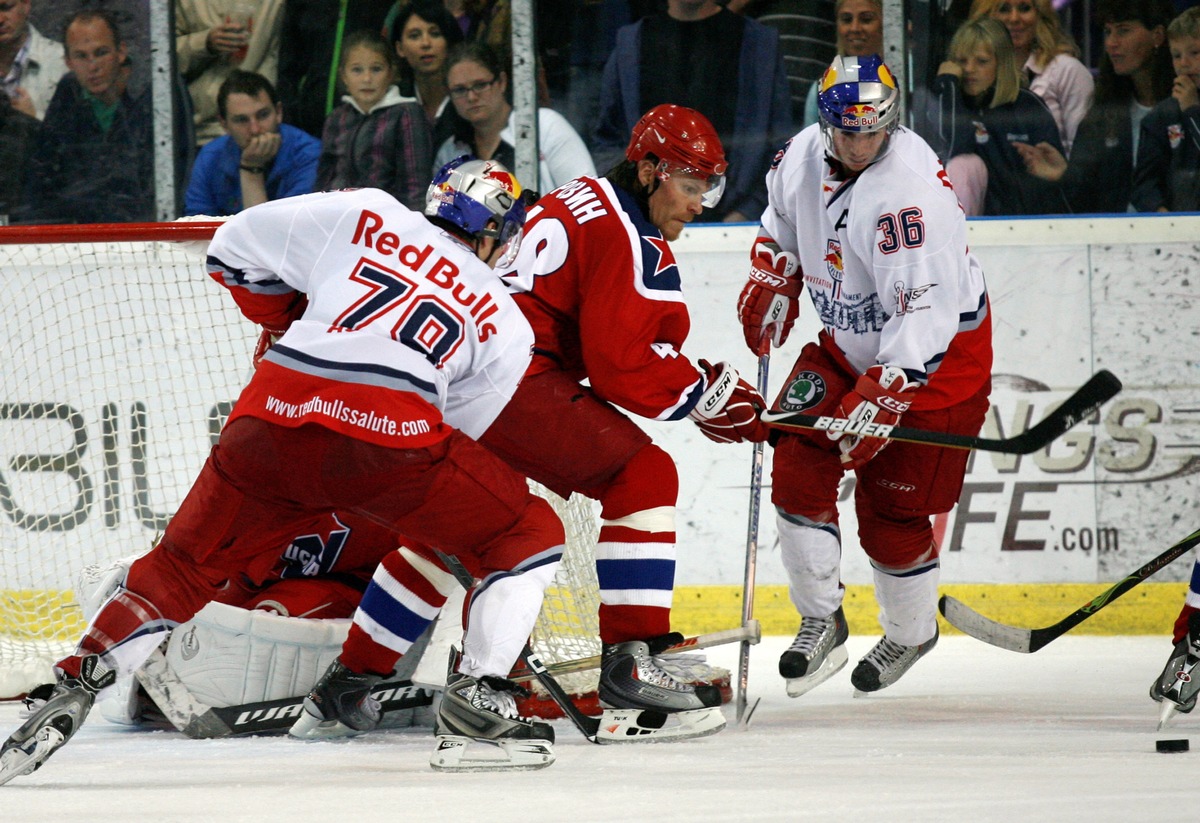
[[861, 214], [405, 327]]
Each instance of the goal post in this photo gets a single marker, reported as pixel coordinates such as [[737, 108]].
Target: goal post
[[122, 360]]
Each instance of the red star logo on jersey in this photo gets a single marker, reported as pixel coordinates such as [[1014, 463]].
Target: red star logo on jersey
[[666, 260]]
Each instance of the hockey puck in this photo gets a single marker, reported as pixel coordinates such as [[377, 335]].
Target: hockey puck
[[1171, 745]]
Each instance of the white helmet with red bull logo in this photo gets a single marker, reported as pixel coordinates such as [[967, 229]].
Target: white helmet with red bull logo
[[858, 94]]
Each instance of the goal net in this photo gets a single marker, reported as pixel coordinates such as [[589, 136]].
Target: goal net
[[122, 360]]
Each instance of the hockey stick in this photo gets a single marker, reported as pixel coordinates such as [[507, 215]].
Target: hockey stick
[[750, 633], [756, 469], [587, 725], [1102, 386], [971, 622]]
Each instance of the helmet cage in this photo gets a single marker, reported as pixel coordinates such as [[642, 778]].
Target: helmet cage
[[482, 198]]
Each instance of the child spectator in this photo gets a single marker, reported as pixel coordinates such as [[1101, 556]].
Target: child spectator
[[1167, 174], [1135, 74], [983, 111], [1048, 56], [375, 138]]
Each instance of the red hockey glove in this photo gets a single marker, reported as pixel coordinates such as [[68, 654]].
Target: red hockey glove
[[729, 408], [268, 336], [266, 339], [768, 304], [880, 396]]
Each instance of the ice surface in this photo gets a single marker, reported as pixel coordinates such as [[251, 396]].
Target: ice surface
[[972, 733]]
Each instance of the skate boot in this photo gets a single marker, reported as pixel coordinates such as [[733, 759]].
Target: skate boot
[[817, 653], [887, 663], [58, 712], [642, 701], [478, 728], [340, 705], [1178, 685]]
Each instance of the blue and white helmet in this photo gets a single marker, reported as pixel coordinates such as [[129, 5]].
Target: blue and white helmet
[[858, 94], [481, 197]]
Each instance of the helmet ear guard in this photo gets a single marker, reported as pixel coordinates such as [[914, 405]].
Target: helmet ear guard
[[481, 197], [680, 141], [858, 95]]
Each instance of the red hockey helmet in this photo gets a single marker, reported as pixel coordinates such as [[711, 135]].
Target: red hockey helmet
[[682, 140]]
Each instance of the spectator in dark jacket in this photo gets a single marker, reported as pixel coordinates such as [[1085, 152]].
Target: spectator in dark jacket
[[94, 161], [17, 134]]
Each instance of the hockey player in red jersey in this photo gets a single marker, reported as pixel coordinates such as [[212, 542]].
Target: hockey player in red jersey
[[861, 214], [598, 282], [405, 329]]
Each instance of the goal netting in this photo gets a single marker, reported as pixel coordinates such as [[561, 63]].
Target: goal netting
[[122, 360]]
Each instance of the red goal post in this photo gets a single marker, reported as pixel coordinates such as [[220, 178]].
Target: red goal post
[[122, 361]]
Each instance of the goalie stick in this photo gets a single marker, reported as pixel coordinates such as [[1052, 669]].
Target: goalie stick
[[1102, 386], [971, 622]]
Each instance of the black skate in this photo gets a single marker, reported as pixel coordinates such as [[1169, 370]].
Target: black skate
[[58, 712], [1179, 684], [340, 705], [642, 701], [478, 728], [887, 663], [817, 653]]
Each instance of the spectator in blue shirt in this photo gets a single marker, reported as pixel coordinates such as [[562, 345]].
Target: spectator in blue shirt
[[260, 158]]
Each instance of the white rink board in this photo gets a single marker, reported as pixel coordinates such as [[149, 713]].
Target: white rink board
[[1080, 295], [1065, 304]]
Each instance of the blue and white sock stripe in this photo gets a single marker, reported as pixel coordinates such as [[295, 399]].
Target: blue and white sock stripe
[[636, 574], [1193, 593]]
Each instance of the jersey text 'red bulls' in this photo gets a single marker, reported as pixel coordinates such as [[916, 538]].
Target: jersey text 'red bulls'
[[369, 232]]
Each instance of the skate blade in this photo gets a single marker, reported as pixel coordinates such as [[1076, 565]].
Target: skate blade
[[16, 761], [649, 726], [835, 661], [310, 727], [466, 754], [1169, 709]]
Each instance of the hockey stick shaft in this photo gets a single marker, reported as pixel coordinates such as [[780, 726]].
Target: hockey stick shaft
[[1102, 386], [751, 633], [756, 471], [1028, 641], [586, 724]]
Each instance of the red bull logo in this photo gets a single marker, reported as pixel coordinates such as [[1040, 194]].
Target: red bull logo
[[859, 116], [505, 180]]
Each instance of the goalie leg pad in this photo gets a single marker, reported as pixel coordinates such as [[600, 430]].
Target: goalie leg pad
[[466, 754], [649, 726]]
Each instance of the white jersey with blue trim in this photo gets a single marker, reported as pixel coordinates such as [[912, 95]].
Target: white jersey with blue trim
[[395, 306], [884, 255]]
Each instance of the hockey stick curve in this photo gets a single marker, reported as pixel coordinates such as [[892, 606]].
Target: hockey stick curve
[[1100, 387], [1027, 641]]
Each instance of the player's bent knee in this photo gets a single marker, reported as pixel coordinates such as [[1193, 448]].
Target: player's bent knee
[[648, 480]]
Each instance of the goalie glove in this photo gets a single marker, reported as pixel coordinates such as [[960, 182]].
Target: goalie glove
[[768, 307], [728, 410], [880, 396]]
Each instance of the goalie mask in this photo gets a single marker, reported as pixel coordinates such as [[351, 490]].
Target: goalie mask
[[858, 95], [683, 142], [482, 198]]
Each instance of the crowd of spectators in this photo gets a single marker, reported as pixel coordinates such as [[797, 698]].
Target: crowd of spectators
[[280, 97]]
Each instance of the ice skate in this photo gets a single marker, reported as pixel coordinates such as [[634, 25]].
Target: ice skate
[[58, 712], [478, 728], [642, 701], [340, 705], [1179, 684], [887, 662], [817, 653]]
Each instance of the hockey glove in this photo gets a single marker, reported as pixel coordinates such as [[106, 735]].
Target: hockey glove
[[728, 410], [880, 396], [768, 304], [266, 339]]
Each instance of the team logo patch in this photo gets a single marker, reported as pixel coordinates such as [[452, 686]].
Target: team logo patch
[[906, 299], [859, 116], [779, 155], [190, 646], [981, 132], [806, 390], [1175, 135]]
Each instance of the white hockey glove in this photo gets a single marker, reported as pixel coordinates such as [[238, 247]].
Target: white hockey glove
[[880, 396], [768, 305], [728, 410]]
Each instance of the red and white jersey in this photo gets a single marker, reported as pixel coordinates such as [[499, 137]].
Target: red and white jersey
[[886, 263], [404, 326], [601, 288]]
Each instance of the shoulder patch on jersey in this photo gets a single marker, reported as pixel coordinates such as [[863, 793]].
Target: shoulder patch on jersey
[[806, 390], [779, 154], [906, 298]]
